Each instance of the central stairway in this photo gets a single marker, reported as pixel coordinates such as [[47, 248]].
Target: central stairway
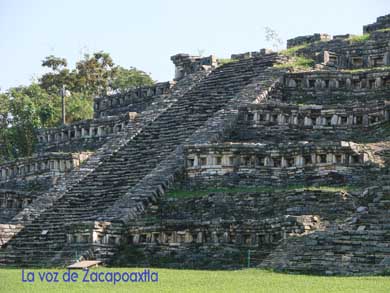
[[39, 242]]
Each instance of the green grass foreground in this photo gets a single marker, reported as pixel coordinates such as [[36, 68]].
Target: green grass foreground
[[251, 280]]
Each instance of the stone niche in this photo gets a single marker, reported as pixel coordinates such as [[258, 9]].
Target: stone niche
[[263, 163], [134, 100], [314, 116], [11, 199], [85, 130], [47, 163], [12, 202], [167, 236], [329, 80], [253, 234], [94, 233]]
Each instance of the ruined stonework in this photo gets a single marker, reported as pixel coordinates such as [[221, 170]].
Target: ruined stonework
[[382, 22], [253, 158], [132, 101], [344, 52], [41, 170]]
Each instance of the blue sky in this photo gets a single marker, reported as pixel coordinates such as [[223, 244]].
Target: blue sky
[[144, 33]]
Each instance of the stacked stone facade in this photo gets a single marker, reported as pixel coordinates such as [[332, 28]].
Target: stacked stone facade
[[289, 166]]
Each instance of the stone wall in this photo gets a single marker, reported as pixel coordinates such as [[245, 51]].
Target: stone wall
[[274, 123], [315, 116], [12, 202], [135, 100], [217, 231], [336, 80], [83, 135], [356, 245], [251, 164], [182, 137], [345, 53], [246, 55], [90, 232], [301, 40], [334, 87], [52, 164], [382, 22]]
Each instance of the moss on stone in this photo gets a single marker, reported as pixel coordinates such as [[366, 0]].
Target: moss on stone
[[223, 61], [292, 51], [297, 63], [358, 70], [359, 38], [182, 193], [383, 30]]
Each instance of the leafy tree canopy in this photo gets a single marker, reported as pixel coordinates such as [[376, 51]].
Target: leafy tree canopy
[[26, 108]]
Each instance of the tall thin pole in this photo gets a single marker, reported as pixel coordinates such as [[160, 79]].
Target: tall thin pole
[[63, 105]]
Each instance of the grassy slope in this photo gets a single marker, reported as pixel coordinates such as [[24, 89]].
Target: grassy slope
[[205, 281], [179, 193]]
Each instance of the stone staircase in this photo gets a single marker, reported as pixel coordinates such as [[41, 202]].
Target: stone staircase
[[300, 254], [108, 149], [88, 198]]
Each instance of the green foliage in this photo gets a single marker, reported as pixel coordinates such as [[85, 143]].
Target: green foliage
[[94, 74], [54, 63], [359, 39], [126, 79], [180, 193], [174, 280], [357, 70], [222, 61], [297, 63], [5, 146], [78, 107], [383, 30], [292, 51], [25, 108]]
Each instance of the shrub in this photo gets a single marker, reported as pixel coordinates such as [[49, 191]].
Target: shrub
[[359, 39]]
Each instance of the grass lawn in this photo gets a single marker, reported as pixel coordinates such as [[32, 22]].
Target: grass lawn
[[251, 280]]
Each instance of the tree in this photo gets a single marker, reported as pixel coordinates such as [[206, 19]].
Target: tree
[[54, 63], [60, 75], [26, 108], [5, 145], [24, 121], [125, 79], [78, 107], [23, 109], [48, 106], [95, 73], [272, 36]]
